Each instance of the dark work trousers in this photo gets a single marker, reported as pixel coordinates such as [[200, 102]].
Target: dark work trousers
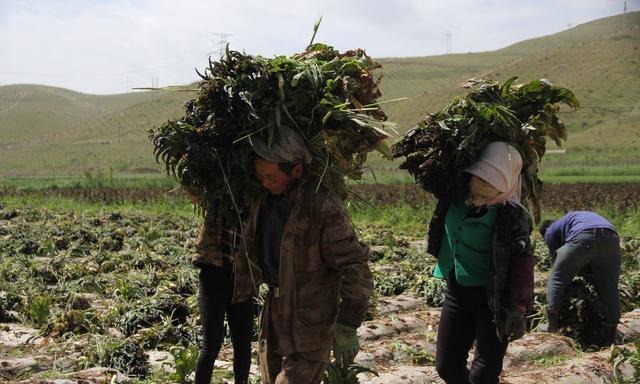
[[216, 291], [598, 248], [466, 318]]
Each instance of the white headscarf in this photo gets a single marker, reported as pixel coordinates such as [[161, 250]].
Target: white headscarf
[[500, 165]]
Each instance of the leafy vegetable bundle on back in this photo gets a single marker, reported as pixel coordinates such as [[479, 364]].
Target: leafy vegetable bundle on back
[[445, 143], [327, 96]]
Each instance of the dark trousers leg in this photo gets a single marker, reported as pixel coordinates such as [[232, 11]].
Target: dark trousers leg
[[605, 267], [216, 290], [487, 362], [466, 317], [240, 317]]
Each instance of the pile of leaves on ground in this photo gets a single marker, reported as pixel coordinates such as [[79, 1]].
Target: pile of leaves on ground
[[327, 96], [445, 143]]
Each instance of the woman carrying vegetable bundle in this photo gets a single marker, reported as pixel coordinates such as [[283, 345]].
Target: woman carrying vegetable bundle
[[484, 253], [215, 255]]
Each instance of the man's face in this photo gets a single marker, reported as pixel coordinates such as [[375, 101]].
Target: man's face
[[481, 192], [274, 179]]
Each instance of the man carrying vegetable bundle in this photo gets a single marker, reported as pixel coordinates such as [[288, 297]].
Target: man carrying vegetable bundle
[[264, 117], [310, 258]]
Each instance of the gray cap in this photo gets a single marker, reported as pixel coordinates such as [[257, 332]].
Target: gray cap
[[288, 147]]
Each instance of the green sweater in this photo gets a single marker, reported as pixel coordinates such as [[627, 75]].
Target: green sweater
[[466, 245]]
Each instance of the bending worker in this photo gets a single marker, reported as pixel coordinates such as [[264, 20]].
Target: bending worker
[[577, 241]]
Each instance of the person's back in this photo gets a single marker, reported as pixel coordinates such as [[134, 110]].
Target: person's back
[[578, 240], [570, 225]]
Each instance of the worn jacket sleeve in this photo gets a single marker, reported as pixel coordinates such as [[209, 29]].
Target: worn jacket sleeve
[[343, 252], [435, 231], [522, 260]]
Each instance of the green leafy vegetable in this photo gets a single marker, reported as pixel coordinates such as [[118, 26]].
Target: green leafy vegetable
[[327, 96], [445, 143]]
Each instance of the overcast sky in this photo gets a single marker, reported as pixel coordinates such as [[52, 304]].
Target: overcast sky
[[109, 46]]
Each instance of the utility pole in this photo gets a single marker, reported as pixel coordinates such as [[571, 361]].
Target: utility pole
[[154, 85], [624, 19], [222, 43], [448, 41]]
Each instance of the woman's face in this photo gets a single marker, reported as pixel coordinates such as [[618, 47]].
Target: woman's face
[[480, 192]]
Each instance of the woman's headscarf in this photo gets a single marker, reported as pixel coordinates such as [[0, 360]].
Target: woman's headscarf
[[500, 165]]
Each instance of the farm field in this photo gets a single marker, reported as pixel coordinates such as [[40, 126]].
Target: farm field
[[95, 240], [96, 287]]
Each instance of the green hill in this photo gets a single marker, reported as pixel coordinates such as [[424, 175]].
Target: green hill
[[47, 131]]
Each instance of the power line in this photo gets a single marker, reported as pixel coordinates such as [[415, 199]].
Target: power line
[[222, 43]]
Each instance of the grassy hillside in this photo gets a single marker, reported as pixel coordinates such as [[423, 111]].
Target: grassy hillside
[[51, 131], [48, 131], [595, 60]]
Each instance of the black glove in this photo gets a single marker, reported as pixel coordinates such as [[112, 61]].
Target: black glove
[[516, 325]]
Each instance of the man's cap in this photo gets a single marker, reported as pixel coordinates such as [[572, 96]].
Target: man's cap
[[287, 147]]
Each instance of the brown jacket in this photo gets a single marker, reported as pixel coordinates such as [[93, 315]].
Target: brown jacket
[[323, 272], [215, 243]]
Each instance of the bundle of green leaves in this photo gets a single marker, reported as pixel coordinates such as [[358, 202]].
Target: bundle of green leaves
[[327, 96], [445, 143]]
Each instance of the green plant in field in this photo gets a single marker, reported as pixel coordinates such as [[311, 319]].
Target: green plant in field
[[157, 319], [96, 350], [128, 289], [390, 283], [630, 274], [543, 359], [74, 321], [184, 363], [221, 376], [549, 361], [419, 356], [128, 357], [541, 253], [430, 288], [582, 314], [345, 375], [621, 355], [38, 309], [96, 179]]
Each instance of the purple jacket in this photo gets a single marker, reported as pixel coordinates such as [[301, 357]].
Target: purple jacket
[[570, 225]]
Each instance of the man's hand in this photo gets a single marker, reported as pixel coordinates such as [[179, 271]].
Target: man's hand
[[345, 345], [516, 324]]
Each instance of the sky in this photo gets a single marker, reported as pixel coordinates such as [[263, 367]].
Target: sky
[[111, 46]]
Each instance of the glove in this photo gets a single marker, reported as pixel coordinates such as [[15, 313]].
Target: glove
[[345, 345], [516, 325]]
